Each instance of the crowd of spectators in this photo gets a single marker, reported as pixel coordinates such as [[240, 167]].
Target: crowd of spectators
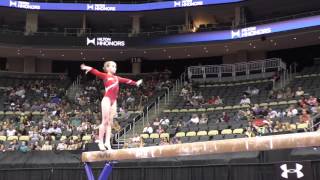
[[261, 120], [129, 98], [62, 123]]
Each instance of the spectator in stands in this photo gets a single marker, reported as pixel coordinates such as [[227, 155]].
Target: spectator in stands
[[203, 119], [272, 94], [35, 146], [55, 130], [304, 117], [280, 94], [252, 91], [34, 134], [299, 92], [256, 110], [156, 123], [2, 131], [22, 131], [218, 101], [211, 101], [23, 147], [312, 101], [288, 94], [164, 141], [194, 119], [249, 132], [165, 122], [45, 129], [215, 100], [11, 131], [130, 101], [2, 147], [13, 145], [160, 130], [47, 146], [240, 116], [148, 129], [198, 98], [184, 92], [245, 100], [291, 111], [224, 118], [175, 140], [272, 114]]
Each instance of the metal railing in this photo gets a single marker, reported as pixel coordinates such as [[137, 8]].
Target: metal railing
[[235, 70], [155, 107]]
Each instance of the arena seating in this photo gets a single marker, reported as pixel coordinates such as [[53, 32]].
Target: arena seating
[[242, 119]]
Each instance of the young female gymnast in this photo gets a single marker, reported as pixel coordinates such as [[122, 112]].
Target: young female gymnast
[[109, 101]]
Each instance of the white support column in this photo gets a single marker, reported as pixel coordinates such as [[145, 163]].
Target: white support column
[[187, 20], [29, 65], [84, 24], [31, 23], [136, 65], [136, 24], [237, 17]]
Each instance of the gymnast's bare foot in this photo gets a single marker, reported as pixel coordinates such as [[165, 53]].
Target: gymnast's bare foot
[[108, 146], [101, 146]]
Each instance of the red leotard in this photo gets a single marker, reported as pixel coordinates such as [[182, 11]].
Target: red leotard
[[111, 83]]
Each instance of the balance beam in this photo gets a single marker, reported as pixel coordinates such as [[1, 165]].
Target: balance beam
[[262, 143]]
